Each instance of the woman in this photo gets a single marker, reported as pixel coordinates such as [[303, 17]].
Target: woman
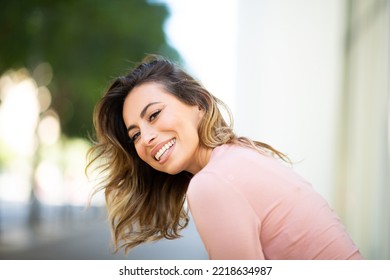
[[162, 141]]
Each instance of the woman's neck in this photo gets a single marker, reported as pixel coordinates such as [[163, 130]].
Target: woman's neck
[[202, 157]]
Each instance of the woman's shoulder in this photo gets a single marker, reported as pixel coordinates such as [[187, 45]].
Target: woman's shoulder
[[223, 160], [235, 156], [228, 161], [215, 179], [230, 151], [243, 167]]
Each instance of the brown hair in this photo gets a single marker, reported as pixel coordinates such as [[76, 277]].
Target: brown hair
[[145, 204]]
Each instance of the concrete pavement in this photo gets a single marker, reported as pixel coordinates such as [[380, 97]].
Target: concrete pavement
[[89, 239]]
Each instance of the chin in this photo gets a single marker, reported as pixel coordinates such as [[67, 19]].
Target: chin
[[171, 170]]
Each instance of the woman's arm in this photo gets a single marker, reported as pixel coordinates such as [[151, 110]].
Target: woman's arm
[[224, 218]]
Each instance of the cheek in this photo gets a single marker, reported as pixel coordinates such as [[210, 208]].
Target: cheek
[[168, 121], [141, 152]]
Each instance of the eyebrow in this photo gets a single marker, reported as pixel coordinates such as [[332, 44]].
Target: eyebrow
[[142, 114]]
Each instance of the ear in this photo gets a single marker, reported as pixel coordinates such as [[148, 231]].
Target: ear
[[201, 112]]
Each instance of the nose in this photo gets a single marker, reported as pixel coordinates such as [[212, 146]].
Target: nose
[[148, 135]]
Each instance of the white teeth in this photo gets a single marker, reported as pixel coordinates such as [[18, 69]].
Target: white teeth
[[164, 149]]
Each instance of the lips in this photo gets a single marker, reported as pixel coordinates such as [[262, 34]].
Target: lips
[[162, 149]]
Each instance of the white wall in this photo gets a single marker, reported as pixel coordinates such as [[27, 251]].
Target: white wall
[[288, 80]]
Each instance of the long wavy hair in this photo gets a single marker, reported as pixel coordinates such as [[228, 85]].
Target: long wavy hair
[[144, 204]]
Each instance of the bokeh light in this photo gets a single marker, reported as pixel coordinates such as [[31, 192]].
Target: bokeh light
[[36, 159], [49, 128], [19, 112]]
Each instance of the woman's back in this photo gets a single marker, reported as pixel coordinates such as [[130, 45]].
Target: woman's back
[[247, 205]]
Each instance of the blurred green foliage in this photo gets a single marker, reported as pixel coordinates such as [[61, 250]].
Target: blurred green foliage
[[87, 43]]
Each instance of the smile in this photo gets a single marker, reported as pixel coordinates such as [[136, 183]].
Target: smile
[[164, 150]]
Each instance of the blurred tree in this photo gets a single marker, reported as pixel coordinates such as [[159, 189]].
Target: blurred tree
[[86, 42]]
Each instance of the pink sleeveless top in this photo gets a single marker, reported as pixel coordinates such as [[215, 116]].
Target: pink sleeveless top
[[247, 205]]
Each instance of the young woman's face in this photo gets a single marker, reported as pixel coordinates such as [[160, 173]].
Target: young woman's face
[[164, 130]]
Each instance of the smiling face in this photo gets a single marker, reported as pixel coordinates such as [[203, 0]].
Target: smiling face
[[164, 129]]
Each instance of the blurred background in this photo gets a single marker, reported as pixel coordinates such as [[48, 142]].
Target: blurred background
[[310, 77]]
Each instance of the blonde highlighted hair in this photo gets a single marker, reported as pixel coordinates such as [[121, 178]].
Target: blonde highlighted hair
[[144, 204]]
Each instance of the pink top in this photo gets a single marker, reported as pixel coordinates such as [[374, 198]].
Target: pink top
[[251, 206]]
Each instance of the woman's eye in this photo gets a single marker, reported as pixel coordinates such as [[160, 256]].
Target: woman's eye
[[135, 136], [154, 115]]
